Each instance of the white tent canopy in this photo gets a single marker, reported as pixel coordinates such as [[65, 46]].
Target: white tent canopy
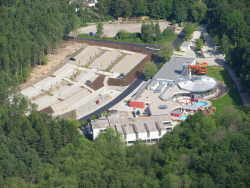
[[198, 84]]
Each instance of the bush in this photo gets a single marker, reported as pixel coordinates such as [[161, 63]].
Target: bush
[[199, 44], [126, 35], [44, 60], [188, 30], [150, 70], [168, 34], [99, 30]]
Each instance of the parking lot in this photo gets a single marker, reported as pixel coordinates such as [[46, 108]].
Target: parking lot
[[111, 29]]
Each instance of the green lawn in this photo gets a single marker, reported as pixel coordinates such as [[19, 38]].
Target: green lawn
[[128, 40], [232, 97]]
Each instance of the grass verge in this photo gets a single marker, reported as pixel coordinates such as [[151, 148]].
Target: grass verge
[[232, 98]]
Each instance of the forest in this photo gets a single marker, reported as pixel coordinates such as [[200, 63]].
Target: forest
[[29, 30], [40, 151], [229, 22], [204, 151]]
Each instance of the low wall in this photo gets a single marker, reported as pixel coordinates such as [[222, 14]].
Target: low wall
[[113, 44], [98, 82]]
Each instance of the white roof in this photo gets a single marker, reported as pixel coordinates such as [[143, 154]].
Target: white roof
[[198, 84]]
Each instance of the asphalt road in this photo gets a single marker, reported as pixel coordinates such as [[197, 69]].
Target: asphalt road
[[124, 94]]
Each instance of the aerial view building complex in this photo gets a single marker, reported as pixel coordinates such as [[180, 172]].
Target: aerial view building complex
[[95, 76], [175, 92]]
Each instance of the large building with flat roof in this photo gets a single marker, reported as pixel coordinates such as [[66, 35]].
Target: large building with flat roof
[[148, 130], [175, 78], [172, 71]]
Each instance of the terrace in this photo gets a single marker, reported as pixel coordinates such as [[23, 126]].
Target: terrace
[[81, 85], [88, 55], [106, 60], [128, 63]]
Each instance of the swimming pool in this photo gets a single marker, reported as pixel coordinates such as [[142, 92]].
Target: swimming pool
[[183, 117], [201, 103]]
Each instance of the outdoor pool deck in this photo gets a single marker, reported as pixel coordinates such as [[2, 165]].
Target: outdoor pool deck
[[155, 102]]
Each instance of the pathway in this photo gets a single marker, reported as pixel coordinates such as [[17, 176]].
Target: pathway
[[245, 98], [214, 58]]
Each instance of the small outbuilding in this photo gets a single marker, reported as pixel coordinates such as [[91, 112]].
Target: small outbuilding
[[135, 104]]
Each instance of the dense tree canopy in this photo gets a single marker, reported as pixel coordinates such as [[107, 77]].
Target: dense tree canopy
[[229, 22], [150, 70], [180, 10], [29, 30], [38, 151]]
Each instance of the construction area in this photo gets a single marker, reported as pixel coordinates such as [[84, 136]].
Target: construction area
[[81, 84]]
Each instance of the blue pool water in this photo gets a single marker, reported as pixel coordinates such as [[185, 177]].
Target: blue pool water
[[201, 103], [183, 117]]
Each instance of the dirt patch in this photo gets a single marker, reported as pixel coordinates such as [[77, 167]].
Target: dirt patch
[[55, 61], [98, 82]]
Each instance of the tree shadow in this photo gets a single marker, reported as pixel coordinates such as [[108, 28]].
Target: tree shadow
[[158, 59], [219, 61], [232, 89]]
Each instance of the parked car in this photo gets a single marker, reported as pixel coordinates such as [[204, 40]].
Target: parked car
[[163, 107]]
